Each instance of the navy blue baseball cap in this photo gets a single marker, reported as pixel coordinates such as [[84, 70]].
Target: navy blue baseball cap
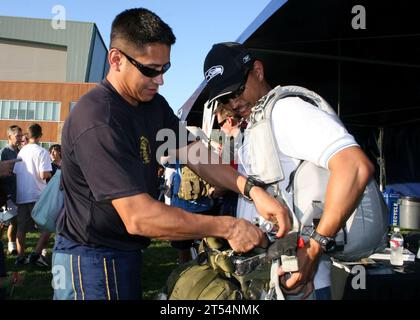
[[225, 68]]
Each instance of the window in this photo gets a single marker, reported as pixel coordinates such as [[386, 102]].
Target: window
[[48, 110], [30, 110], [13, 109], [23, 105], [30, 114], [56, 111], [5, 110], [39, 111], [3, 143], [46, 145]]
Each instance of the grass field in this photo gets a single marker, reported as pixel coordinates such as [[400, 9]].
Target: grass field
[[158, 261]]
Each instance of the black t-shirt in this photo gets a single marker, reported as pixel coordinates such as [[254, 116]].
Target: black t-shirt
[[9, 182], [108, 152]]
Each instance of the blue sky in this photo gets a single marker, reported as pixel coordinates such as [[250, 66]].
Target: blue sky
[[197, 24]]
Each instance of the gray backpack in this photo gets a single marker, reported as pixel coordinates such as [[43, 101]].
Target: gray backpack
[[364, 232]]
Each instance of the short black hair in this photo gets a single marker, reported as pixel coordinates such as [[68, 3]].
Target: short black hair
[[35, 131], [138, 27], [55, 147]]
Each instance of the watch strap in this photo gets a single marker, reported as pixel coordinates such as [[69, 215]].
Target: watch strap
[[251, 182], [322, 240]]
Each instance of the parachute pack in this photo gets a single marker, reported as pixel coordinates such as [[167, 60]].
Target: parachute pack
[[364, 232], [218, 274]]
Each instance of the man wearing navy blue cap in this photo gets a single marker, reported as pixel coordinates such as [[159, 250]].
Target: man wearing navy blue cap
[[236, 79]]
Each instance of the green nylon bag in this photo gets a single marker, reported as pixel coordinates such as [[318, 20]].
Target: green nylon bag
[[192, 281], [210, 277], [192, 187]]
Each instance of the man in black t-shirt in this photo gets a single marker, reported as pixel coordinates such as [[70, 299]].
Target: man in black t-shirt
[[10, 152], [109, 170]]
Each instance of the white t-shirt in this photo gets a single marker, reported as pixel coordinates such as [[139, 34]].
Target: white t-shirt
[[29, 185], [169, 176], [302, 132]]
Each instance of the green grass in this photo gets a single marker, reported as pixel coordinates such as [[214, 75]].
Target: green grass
[[159, 260]]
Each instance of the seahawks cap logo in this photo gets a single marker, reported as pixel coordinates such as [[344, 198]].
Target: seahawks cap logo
[[213, 71]]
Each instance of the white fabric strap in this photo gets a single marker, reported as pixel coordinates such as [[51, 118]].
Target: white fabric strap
[[274, 280]]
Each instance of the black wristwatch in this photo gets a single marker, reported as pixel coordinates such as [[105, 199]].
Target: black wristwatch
[[251, 182], [327, 244]]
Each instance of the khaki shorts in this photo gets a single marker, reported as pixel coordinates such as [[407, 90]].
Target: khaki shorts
[[25, 223]]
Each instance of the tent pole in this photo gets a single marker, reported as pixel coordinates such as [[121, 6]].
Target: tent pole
[[381, 160], [339, 82]]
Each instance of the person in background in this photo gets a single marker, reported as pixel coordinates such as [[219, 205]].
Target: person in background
[[230, 124], [169, 179], [55, 156], [161, 183], [25, 140], [6, 168], [31, 175], [9, 152]]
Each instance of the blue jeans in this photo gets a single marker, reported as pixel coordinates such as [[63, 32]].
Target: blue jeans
[[84, 273], [323, 293]]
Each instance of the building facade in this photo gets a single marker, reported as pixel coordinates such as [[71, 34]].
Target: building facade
[[46, 103], [44, 71], [35, 51]]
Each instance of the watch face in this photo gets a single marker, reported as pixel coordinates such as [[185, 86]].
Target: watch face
[[324, 241], [330, 246], [327, 244]]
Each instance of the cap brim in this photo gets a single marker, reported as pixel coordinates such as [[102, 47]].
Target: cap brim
[[221, 90]]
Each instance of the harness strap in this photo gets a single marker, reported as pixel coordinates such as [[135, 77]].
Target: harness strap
[[274, 280], [292, 177]]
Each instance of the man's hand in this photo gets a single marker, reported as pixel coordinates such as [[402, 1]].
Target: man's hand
[[245, 236], [271, 210], [302, 280]]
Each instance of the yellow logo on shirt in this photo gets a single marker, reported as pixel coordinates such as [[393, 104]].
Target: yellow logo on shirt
[[145, 150]]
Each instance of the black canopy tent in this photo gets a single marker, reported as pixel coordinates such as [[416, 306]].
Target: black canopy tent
[[370, 76]]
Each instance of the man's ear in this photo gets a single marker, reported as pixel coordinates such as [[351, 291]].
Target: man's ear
[[230, 121], [114, 59], [258, 70]]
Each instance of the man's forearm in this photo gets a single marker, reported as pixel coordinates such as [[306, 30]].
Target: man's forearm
[[210, 167], [221, 175], [142, 215]]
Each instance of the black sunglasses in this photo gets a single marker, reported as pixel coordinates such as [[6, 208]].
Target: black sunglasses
[[233, 95], [221, 123], [147, 71]]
